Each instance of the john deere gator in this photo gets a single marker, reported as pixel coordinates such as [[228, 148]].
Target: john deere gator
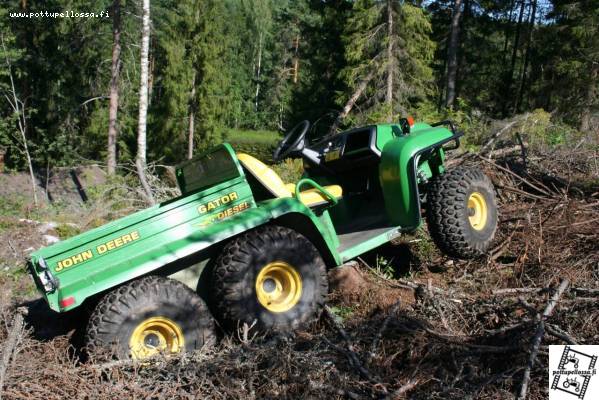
[[264, 244]]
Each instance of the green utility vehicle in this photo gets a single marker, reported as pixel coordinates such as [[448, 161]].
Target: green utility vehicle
[[265, 245]]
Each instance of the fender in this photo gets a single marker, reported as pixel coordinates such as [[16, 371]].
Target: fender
[[404, 160]]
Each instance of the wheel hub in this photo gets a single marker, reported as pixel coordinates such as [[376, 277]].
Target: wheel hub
[[155, 335], [269, 285], [477, 211], [278, 286], [152, 340]]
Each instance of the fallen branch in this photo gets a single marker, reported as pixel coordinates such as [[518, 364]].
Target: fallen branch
[[10, 345], [506, 151], [460, 340], [586, 291], [556, 331], [411, 384], [588, 221], [115, 364], [500, 132], [349, 353], [505, 329], [520, 192], [380, 332], [538, 337], [351, 102], [480, 348], [14, 251], [555, 298], [545, 192], [508, 291]]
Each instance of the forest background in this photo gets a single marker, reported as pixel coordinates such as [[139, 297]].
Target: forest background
[[246, 70]]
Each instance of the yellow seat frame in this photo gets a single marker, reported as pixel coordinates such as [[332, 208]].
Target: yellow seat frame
[[275, 185]]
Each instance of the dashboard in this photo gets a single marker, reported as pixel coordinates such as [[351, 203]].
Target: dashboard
[[349, 150]]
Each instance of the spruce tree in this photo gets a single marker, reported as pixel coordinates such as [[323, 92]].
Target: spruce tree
[[388, 52], [577, 64]]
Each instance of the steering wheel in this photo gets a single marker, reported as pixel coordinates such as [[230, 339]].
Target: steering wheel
[[292, 142]]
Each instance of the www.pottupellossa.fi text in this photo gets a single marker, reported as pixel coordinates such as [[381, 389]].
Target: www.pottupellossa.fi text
[[61, 14]]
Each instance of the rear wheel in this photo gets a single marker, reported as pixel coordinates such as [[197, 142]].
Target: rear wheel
[[462, 213], [148, 316], [271, 275]]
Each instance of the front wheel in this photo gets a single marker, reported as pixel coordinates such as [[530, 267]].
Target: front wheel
[[273, 276], [462, 212]]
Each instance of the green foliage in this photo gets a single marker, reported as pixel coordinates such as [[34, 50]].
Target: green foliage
[[66, 231], [252, 136], [266, 64], [290, 170], [6, 223], [342, 312], [576, 65], [13, 205], [259, 144], [422, 246], [366, 40], [10, 56], [384, 268]]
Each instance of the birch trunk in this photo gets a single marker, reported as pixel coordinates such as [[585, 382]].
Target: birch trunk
[[296, 59], [191, 130], [452, 54], [114, 87], [258, 71], [143, 101]]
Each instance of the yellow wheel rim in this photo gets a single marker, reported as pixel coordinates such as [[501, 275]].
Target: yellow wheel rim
[[278, 286], [156, 335], [477, 211]]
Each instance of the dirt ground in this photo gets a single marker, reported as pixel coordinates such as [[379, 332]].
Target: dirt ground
[[402, 322]]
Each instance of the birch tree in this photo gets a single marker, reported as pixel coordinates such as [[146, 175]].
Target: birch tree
[[18, 108], [140, 161]]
